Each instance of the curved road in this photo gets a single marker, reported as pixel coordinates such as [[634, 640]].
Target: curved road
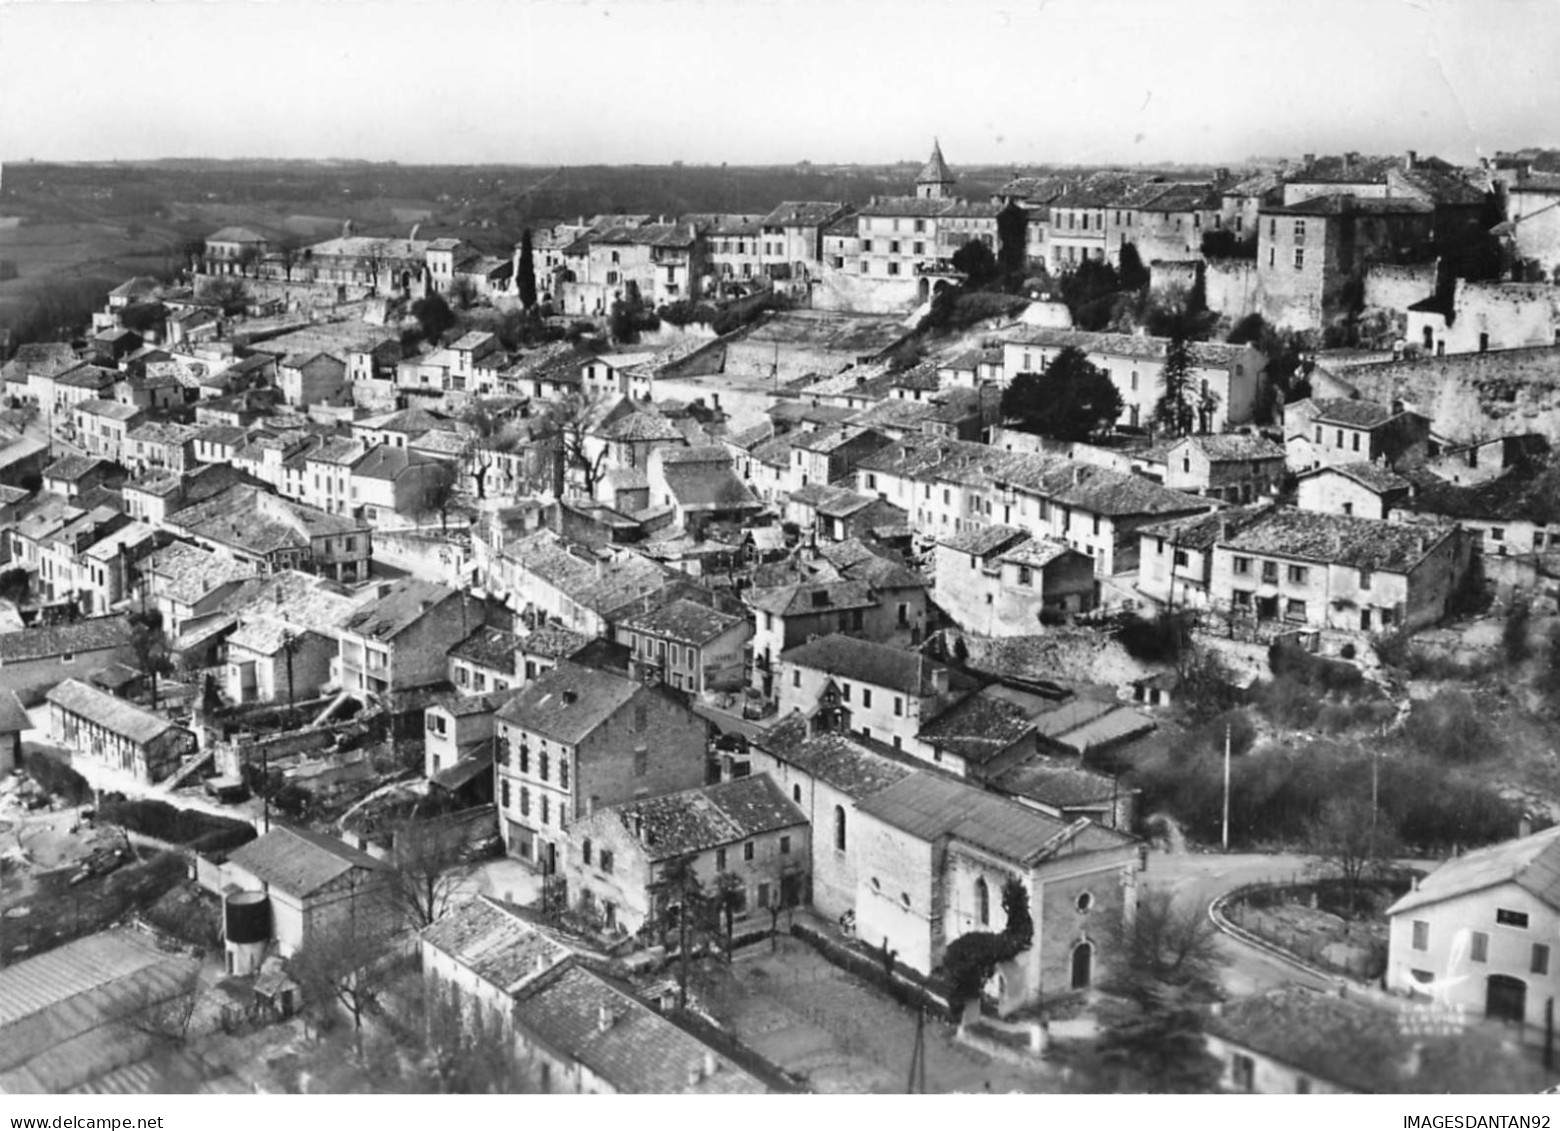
[[1197, 878]]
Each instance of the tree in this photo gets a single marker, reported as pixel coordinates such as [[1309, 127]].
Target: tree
[[679, 896], [15, 584], [429, 865], [463, 291], [1133, 274], [153, 652], [976, 261], [527, 280], [723, 904], [440, 491], [1166, 954], [290, 252], [165, 1012], [230, 293], [376, 257], [1160, 1051], [1352, 843], [1012, 240], [249, 258], [1175, 413], [434, 316], [344, 964], [970, 960], [570, 419], [1072, 400]]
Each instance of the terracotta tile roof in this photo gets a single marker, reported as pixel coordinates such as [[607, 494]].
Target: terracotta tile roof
[[37, 643], [488, 647], [1233, 447], [1211, 354], [864, 661], [684, 620], [811, 598], [838, 760], [499, 947], [1372, 476], [697, 820], [1335, 539], [569, 702], [1352, 412], [111, 713], [407, 602], [802, 213], [299, 862], [1530, 862], [931, 807], [637, 1052]]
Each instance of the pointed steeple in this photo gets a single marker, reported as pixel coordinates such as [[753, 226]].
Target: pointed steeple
[[935, 180]]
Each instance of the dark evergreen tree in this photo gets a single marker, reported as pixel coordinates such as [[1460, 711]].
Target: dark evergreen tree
[[1012, 239], [1072, 400], [1131, 271], [1175, 414], [527, 280]]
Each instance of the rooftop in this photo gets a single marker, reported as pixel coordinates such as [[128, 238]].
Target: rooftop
[[697, 820], [488, 647], [1213, 354], [683, 620], [568, 702], [407, 602], [1334, 539], [112, 714], [299, 862], [836, 759], [930, 807], [496, 945], [80, 637], [1531, 862], [864, 661]]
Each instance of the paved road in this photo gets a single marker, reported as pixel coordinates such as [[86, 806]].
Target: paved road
[[1198, 878]]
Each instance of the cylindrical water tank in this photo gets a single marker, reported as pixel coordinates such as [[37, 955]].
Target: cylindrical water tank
[[248, 917]]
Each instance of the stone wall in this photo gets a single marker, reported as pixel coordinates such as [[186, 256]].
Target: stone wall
[[1396, 288], [1166, 274], [1231, 286], [1473, 396]]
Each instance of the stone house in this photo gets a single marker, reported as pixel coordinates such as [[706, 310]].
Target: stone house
[[1332, 571], [690, 646], [1514, 515], [186, 582], [840, 683], [1323, 432], [1364, 490], [285, 644], [698, 483], [1486, 316], [156, 446], [1533, 215], [70, 477], [1175, 561], [402, 640], [1477, 934], [102, 427], [386, 482], [933, 855], [33, 660], [576, 739], [313, 378], [269, 533], [103, 569], [1234, 374], [234, 251], [788, 615], [746, 829], [1233, 467], [1000, 581], [314, 885], [485, 661], [102, 728], [459, 727], [792, 235]]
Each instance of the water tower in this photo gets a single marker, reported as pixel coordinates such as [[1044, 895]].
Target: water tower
[[246, 930]]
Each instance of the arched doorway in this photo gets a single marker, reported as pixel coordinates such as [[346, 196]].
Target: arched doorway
[[1082, 965], [1505, 998]]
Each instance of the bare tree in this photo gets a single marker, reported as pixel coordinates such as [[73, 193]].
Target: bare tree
[[571, 420], [166, 1016], [231, 294], [429, 867], [249, 257], [440, 490], [1351, 843], [153, 651], [343, 964], [489, 432], [463, 292], [1165, 953]]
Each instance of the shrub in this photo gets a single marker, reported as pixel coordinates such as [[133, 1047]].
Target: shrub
[[1156, 640], [1449, 728], [1289, 702], [56, 777], [1514, 633], [177, 826]]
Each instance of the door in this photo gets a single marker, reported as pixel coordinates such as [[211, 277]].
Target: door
[[1082, 965], [1506, 999], [551, 857], [1364, 620]]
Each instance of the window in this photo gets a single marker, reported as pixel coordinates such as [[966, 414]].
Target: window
[[542, 765], [1497, 534], [525, 801], [641, 761], [563, 770], [1480, 948], [1298, 575], [839, 828], [504, 789], [1084, 903], [982, 902], [866, 697], [796, 794], [1299, 231], [1294, 610], [1364, 579], [606, 861], [865, 270], [1243, 1072], [1270, 572], [1508, 918], [920, 248], [546, 809], [1242, 565], [1356, 441], [748, 851], [1180, 558], [1318, 433], [866, 245], [785, 846], [1540, 963], [525, 756], [845, 693], [720, 859]]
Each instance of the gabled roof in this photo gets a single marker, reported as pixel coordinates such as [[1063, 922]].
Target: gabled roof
[[235, 235], [697, 820], [496, 945], [1530, 862], [1372, 476], [637, 1052], [1335, 539], [552, 642], [1353, 413], [803, 213], [407, 603], [930, 807], [838, 760], [37, 643], [569, 702], [684, 620], [1232, 447], [864, 661], [801, 598], [488, 647], [109, 712], [298, 862], [706, 487], [74, 468]]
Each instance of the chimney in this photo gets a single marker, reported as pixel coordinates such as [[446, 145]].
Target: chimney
[[1308, 160], [695, 1074], [1411, 160], [1221, 175], [541, 964], [570, 697], [639, 827], [711, 1066], [604, 1018]]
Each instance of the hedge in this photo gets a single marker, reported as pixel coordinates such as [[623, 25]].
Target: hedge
[[202, 832], [56, 777], [919, 993]]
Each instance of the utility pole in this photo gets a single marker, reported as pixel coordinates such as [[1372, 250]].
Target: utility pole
[[1226, 837]]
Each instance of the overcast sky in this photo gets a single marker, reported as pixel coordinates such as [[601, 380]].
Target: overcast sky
[[744, 81]]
